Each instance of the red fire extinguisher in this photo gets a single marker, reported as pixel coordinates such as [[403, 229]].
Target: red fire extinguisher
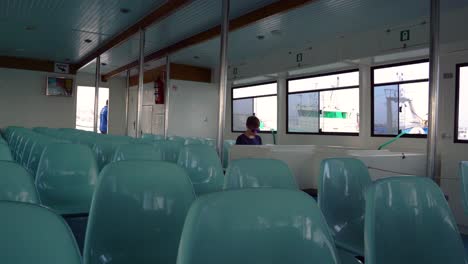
[[159, 91]]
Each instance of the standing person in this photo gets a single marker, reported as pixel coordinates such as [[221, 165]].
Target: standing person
[[103, 118], [250, 137]]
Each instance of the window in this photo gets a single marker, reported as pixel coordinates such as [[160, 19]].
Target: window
[[400, 99], [85, 106], [259, 100], [325, 104], [461, 121]]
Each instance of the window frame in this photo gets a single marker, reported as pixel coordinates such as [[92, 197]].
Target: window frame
[[457, 103], [373, 85], [252, 97], [320, 132]]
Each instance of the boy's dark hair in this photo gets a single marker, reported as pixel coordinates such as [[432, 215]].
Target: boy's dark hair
[[252, 122]]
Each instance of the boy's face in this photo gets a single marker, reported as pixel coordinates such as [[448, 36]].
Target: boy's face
[[254, 130]]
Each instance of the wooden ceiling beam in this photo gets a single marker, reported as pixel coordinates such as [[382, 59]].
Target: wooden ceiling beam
[[275, 8], [30, 64], [168, 8], [178, 72]]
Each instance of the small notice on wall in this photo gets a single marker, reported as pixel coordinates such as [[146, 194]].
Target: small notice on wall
[[62, 68], [404, 35]]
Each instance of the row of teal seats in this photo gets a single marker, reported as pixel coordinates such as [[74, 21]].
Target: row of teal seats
[[194, 141], [5, 153], [71, 193], [27, 146], [138, 215], [91, 139], [105, 146], [64, 174], [140, 218], [204, 167], [395, 220]]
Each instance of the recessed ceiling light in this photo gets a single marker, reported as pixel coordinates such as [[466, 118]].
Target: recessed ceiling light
[[30, 28], [276, 32], [124, 10], [88, 41], [260, 37]]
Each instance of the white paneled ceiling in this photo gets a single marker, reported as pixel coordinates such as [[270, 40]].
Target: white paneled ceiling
[[57, 29]]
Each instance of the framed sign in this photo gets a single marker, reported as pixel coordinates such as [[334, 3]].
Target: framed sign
[[59, 86], [62, 68]]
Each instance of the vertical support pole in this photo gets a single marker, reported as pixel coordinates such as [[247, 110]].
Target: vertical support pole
[[432, 149], [281, 104], [127, 98], [97, 83], [223, 67], [141, 72], [167, 95]]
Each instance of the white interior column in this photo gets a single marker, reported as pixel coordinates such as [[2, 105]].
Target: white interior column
[[97, 83], [223, 67], [433, 164], [167, 96], [141, 72]]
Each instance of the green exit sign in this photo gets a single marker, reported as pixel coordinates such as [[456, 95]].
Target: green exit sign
[[404, 35]]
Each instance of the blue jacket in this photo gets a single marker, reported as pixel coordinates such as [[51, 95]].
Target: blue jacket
[[103, 120]]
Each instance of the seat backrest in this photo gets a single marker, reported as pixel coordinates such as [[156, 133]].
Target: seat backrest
[[66, 177], [193, 141], [258, 173], [104, 152], [226, 148], [203, 167], [5, 153], [27, 150], [138, 212], [172, 150], [256, 226], [35, 154], [16, 184], [408, 221], [341, 196], [33, 234], [152, 137], [210, 142], [137, 152], [463, 171]]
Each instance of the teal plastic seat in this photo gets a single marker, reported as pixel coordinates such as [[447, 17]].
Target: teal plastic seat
[[203, 167], [210, 142], [16, 184], [5, 153], [341, 197], [409, 221], [258, 173], [138, 213], [172, 150], [273, 226], [35, 155], [463, 171], [33, 234], [153, 137], [66, 178], [193, 141], [104, 152], [226, 149], [137, 152]]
